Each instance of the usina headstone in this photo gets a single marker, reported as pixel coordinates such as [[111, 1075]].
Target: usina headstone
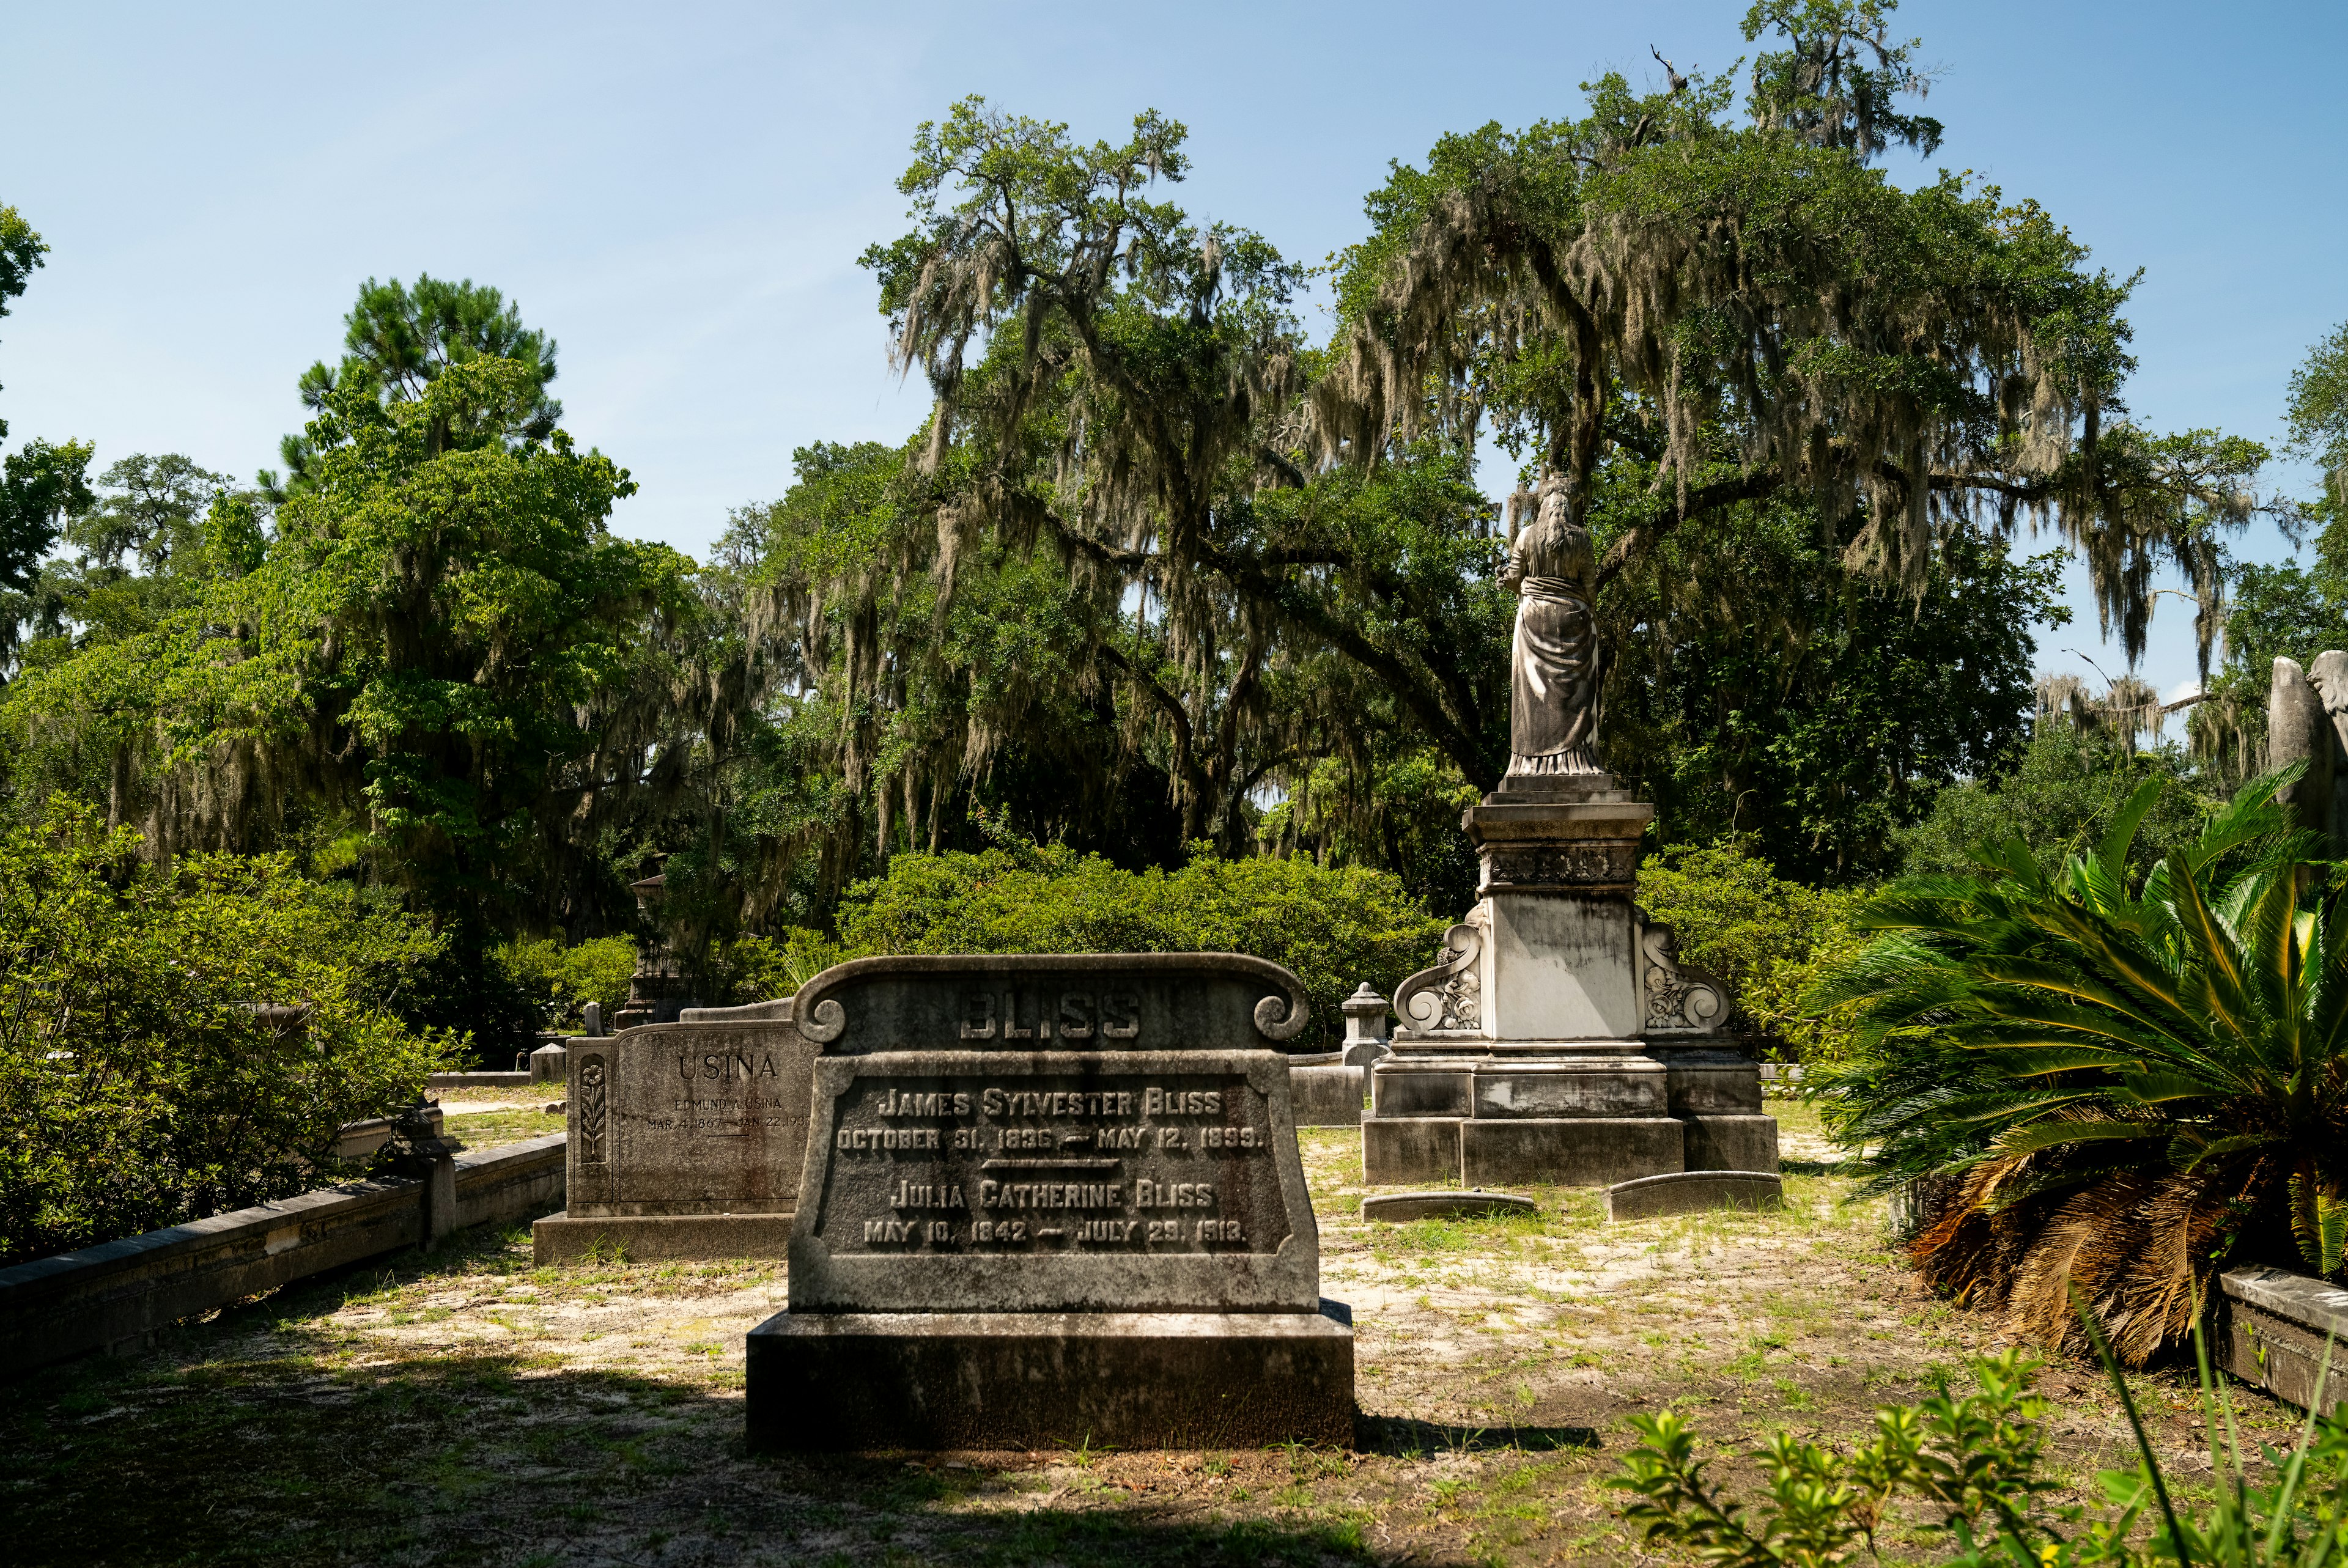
[[1052, 1199], [686, 1139]]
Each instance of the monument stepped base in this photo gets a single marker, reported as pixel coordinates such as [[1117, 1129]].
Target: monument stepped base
[[1030, 1381], [647, 1238]]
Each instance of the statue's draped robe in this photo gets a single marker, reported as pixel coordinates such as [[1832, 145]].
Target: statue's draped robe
[[1553, 660]]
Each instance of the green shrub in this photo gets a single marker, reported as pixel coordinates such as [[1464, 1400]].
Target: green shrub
[[1336, 928], [139, 1087], [560, 980], [2066, 785], [2104, 1084], [1767, 938], [1970, 1467], [760, 969]]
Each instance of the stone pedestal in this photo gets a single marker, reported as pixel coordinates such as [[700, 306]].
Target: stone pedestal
[[1559, 1041]]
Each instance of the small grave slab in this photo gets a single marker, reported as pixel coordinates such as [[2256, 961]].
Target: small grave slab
[[1446, 1203], [687, 1140], [1693, 1192]]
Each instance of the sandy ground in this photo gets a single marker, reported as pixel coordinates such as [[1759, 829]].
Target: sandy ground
[[465, 1408]]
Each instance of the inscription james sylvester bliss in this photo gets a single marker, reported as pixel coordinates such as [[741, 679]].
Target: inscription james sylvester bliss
[[1052, 1161], [1121, 1161]]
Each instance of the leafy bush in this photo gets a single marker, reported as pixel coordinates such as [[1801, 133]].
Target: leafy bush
[[2109, 1084], [757, 968], [1973, 1463], [1771, 939], [1335, 929], [140, 1085], [560, 980], [2067, 786]]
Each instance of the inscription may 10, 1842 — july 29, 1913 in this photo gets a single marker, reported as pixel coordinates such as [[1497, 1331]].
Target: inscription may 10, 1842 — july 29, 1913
[[1054, 1158]]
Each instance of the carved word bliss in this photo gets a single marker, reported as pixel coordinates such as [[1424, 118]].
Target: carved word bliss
[[1115, 1015]]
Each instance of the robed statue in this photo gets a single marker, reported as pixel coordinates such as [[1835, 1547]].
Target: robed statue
[[1553, 659]]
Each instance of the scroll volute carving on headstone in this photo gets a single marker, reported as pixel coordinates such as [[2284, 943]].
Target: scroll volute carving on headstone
[[2307, 721]]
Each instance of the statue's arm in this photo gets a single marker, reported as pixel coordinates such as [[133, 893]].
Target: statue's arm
[[1512, 571]]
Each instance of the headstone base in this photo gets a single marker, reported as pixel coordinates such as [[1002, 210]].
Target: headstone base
[[930, 1380], [1731, 1142], [1569, 1151], [645, 1238], [1561, 1151]]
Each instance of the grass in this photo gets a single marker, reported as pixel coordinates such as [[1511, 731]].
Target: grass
[[466, 1407]]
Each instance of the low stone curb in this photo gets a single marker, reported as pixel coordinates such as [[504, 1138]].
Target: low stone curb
[[2272, 1328], [1444, 1203], [1693, 1192], [115, 1295]]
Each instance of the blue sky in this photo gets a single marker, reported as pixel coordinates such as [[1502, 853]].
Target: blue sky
[[679, 193]]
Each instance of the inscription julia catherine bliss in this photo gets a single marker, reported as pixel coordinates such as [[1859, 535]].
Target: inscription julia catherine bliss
[[1138, 1162]]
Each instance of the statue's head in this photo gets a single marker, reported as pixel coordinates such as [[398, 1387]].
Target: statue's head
[[1556, 501]]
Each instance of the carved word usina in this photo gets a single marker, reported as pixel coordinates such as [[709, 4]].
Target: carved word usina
[[1115, 1015], [724, 1067]]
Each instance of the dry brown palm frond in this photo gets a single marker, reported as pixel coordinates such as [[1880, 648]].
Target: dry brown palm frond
[[2085, 1244], [2168, 1277], [1962, 1247]]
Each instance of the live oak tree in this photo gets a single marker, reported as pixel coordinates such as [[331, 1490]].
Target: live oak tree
[[444, 675], [40, 484], [1750, 311]]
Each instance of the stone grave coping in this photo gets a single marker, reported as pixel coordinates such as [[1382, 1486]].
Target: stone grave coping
[[1693, 1192], [1446, 1204], [836, 1266], [1042, 1001]]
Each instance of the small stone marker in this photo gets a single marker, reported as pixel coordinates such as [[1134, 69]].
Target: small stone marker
[[1047, 1200], [1693, 1192], [687, 1140], [1445, 1203]]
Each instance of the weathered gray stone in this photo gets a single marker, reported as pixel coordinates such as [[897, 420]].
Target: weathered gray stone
[[1326, 1095], [1710, 1081], [1049, 1181], [2275, 1327], [1572, 1085], [2307, 722], [654, 1238], [1396, 1149], [685, 1121], [1444, 1203], [550, 1063], [1568, 1151], [776, 1011], [1009, 1379], [1051, 1198], [1693, 1192], [1365, 1027], [1106, 1001], [1731, 1142], [1421, 1086], [688, 1119]]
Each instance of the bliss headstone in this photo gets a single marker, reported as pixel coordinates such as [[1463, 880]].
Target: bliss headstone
[[1052, 1199], [686, 1139]]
